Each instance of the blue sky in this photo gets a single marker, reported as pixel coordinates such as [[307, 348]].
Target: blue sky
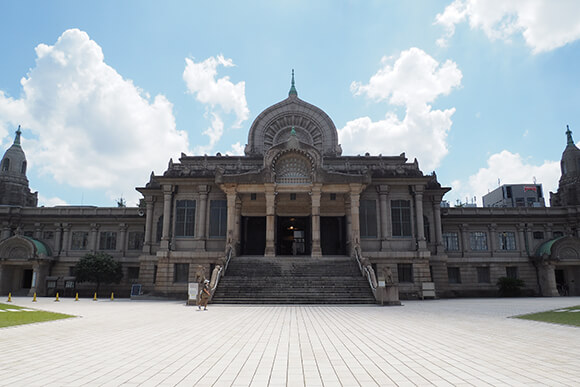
[[108, 91]]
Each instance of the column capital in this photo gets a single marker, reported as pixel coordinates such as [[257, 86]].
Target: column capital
[[356, 188], [204, 189], [383, 189], [418, 189]]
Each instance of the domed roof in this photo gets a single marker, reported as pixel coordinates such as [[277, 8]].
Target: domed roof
[[310, 124], [14, 161], [570, 162]]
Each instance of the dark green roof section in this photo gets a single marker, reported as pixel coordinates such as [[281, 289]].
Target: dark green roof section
[[546, 247], [41, 248]]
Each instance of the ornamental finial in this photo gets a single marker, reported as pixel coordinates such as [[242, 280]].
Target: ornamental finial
[[293, 87], [569, 135], [17, 138]]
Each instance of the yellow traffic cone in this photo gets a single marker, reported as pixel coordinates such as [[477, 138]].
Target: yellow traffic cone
[[9, 297], [95, 297], [112, 296], [77, 297], [34, 297], [56, 299]]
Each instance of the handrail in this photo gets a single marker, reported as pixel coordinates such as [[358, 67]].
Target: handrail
[[366, 270], [222, 269]]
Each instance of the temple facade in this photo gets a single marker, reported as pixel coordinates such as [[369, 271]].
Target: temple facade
[[294, 193]]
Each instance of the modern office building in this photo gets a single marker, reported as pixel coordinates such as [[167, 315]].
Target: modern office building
[[515, 195]]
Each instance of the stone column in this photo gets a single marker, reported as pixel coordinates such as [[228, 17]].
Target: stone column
[[548, 230], [354, 216], [65, 239], [93, 238], [37, 231], [547, 278], [493, 242], [315, 197], [520, 242], [122, 242], [530, 239], [200, 229], [149, 200], [383, 191], [421, 242], [34, 284], [438, 228], [231, 233], [464, 231], [270, 221], [167, 198], [347, 212], [57, 238], [237, 225]]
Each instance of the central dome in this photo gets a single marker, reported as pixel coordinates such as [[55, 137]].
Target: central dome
[[311, 125]]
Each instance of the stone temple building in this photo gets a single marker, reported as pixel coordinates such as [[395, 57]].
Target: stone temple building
[[293, 194]]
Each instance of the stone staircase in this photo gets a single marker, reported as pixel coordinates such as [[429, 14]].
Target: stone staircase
[[293, 280]]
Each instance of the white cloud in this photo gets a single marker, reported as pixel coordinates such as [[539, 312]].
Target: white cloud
[[414, 80], [220, 95], [94, 129], [545, 25], [509, 168], [237, 149], [50, 202]]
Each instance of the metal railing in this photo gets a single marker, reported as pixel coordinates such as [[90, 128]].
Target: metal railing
[[221, 272], [366, 270]]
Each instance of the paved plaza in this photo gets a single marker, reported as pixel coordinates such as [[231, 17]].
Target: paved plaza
[[442, 342]]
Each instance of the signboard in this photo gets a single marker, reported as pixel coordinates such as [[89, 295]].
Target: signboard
[[192, 291], [135, 290]]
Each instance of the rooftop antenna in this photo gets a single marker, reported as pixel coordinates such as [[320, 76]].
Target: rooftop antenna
[[534, 179]]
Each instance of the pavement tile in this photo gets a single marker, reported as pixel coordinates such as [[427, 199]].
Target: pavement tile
[[437, 342]]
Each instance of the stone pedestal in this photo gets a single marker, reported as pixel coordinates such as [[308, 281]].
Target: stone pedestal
[[388, 295]]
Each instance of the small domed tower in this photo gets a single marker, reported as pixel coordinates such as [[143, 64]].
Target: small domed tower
[[569, 186], [14, 190]]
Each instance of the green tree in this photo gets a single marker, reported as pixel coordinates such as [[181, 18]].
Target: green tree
[[98, 268]]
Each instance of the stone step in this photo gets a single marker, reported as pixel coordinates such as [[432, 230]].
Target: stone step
[[293, 280]]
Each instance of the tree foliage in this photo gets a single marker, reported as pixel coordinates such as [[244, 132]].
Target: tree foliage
[[98, 268]]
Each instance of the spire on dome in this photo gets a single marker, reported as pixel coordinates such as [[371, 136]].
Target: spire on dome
[[293, 87], [569, 135], [17, 138]]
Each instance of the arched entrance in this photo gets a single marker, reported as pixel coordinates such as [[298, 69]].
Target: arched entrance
[[25, 264]]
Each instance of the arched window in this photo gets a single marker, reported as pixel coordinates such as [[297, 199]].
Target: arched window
[[6, 164], [23, 169]]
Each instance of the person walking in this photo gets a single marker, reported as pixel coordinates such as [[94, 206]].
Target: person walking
[[204, 296]]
